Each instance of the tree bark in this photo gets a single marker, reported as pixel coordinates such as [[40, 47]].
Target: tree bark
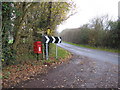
[[20, 24]]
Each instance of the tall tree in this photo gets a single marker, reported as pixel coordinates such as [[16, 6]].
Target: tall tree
[[30, 18]]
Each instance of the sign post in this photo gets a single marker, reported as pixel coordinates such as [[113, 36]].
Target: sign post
[[56, 51], [47, 51], [51, 39]]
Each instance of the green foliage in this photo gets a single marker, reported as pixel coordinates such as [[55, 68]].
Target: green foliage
[[25, 22], [95, 34], [8, 54], [53, 16], [84, 35]]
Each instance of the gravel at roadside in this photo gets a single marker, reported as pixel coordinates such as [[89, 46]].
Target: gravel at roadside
[[79, 72]]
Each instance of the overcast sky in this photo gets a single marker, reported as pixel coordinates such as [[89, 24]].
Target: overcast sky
[[88, 9]]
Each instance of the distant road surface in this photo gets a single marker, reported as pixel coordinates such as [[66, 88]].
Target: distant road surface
[[91, 53]]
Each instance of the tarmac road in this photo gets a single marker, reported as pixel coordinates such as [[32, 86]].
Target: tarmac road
[[95, 54], [86, 69]]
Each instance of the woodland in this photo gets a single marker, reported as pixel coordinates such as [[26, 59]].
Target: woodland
[[99, 32], [23, 23]]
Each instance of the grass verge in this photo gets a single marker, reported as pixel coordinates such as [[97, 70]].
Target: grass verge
[[97, 48], [62, 53]]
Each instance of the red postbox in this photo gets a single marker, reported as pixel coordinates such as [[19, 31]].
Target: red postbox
[[38, 47]]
